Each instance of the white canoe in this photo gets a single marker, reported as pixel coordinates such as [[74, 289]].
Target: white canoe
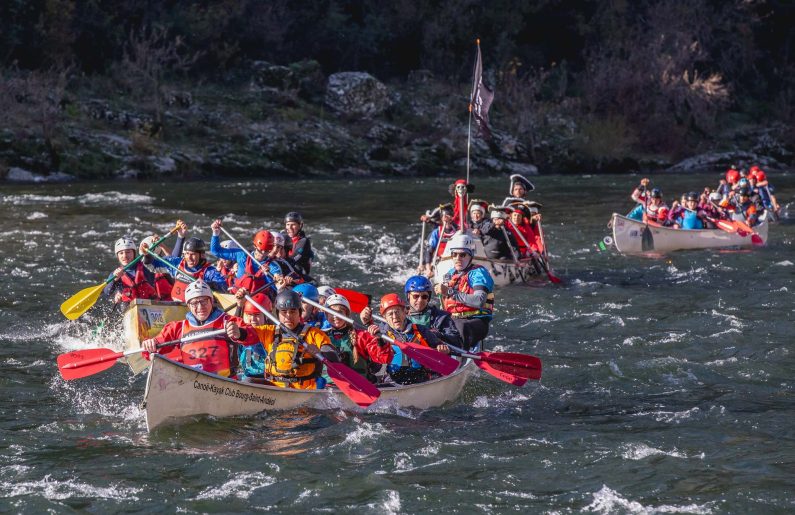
[[146, 318], [635, 237], [175, 391], [503, 272]]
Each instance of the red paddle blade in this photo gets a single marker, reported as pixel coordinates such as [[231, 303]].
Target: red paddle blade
[[757, 240], [355, 386], [358, 300], [512, 363], [502, 375], [726, 226], [553, 279], [84, 363], [429, 358]]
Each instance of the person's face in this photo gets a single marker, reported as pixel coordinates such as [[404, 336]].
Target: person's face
[[290, 318], [259, 255], [201, 307], [336, 322], [498, 222], [656, 201], [691, 204], [460, 259], [292, 228], [125, 256], [518, 190], [476, 215], [307, 311], [447, 218], [254, 318], [744, 198], [418, 300], [516, 218], [396, 317], [192, 258]]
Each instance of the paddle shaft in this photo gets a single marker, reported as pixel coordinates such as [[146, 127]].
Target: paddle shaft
[[422, 243], [544, 264], [508, 242], [442, 229]]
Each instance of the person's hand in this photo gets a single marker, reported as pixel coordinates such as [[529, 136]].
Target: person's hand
[[216, 227], [425, 218], [476, 232], [644, 182], [149, 345], [366, 315], [233, 270], [117, 297], [444, 349], [535, 218], [374, 330], [240, 297], [118, 272], [232, 330], [182, 228], [437, 289]]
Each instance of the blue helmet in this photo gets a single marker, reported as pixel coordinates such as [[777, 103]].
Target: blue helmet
[[307, 291], [418, 283]]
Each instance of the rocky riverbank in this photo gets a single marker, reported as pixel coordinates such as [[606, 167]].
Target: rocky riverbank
[[277, 121]]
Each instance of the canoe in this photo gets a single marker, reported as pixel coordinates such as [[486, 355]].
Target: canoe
[[504, 272], [635, 237], [146, 318], [175, 391]]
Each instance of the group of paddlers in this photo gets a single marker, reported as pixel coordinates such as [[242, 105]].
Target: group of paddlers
[[284, 328], [741, 196], [511, 232]]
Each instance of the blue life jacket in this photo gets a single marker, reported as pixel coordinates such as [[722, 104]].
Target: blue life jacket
[[252, 360], [690, 220], [637, 213]]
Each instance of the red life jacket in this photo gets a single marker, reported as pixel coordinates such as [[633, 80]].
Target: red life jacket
[[529, 235], [211, 354], [163, 285], [460, 282], [251, 280], [137, 287], [178, 291]]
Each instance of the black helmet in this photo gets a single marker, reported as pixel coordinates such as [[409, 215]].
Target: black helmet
[[691, 195], [288, 299], [195, 245], [744, 192], [294, 216], [656, 193]]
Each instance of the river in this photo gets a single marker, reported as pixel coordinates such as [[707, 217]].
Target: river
[[667, 381]]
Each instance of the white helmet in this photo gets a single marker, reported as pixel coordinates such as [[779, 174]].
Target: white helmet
[[326, 291], [338, 300], [278, 238], [124, 244], [461, 241], [498, 214], [715, 196], [197, 289], [229, 245]]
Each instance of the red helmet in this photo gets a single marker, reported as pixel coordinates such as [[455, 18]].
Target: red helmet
[[389, 300], [263, 241], [732, 176], [262, 300], [760, 175]]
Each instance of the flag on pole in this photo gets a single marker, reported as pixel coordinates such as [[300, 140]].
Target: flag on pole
[[481, 99]]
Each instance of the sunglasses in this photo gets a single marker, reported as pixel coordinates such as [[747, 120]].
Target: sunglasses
[[423, 296], [198, 302], [459, 255]]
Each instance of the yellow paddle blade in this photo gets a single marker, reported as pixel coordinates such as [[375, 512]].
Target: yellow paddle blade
[[225, 299], [81, 301]]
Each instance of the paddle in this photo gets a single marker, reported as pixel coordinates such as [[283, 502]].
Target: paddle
[[357, 300], [511, 367], [429, 358], [87, 362], [355, 386], [82, 301], [724, 225], [755, 238], [351, 383], [545, 262], [552, 278]]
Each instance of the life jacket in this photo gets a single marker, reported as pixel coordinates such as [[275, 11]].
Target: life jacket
[[211, 355], [690, 220], [400, 360], [178, 291], [164, 284], [345, 342], [460, 281], [286, 362], [304, 260], [136, 286], [747, 212], [251, 280], [529, 235]]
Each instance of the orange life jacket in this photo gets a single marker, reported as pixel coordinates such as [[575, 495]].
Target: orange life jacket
[[178, 291], [460, 282], [212, 354], [288, 363]]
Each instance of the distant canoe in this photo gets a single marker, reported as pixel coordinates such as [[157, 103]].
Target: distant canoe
[[635, 237], [175, 391]]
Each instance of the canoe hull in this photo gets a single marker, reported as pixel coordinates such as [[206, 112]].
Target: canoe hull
[[175, 391], [634, 237]]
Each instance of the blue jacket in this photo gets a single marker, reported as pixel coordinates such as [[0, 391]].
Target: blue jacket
[[211, 276], [690, 220], [239, 256]]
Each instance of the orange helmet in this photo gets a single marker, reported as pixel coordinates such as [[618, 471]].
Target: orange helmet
[[263, 241], [732, 176], [262, 300], [390, 300]]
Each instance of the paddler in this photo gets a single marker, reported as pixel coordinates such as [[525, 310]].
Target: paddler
[[164, 283], [357, 348], [497, 241], [249, 274], [418, 291], [311, 315], [467, 292], [138, 282], [324, 293], [524, 235], [439, 236], [301, 245], [519, 187], [215, 354], [288, 364], [252, 358], [193, 264], [283, 268], [402, 369], [688, 216], [478, 223]]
